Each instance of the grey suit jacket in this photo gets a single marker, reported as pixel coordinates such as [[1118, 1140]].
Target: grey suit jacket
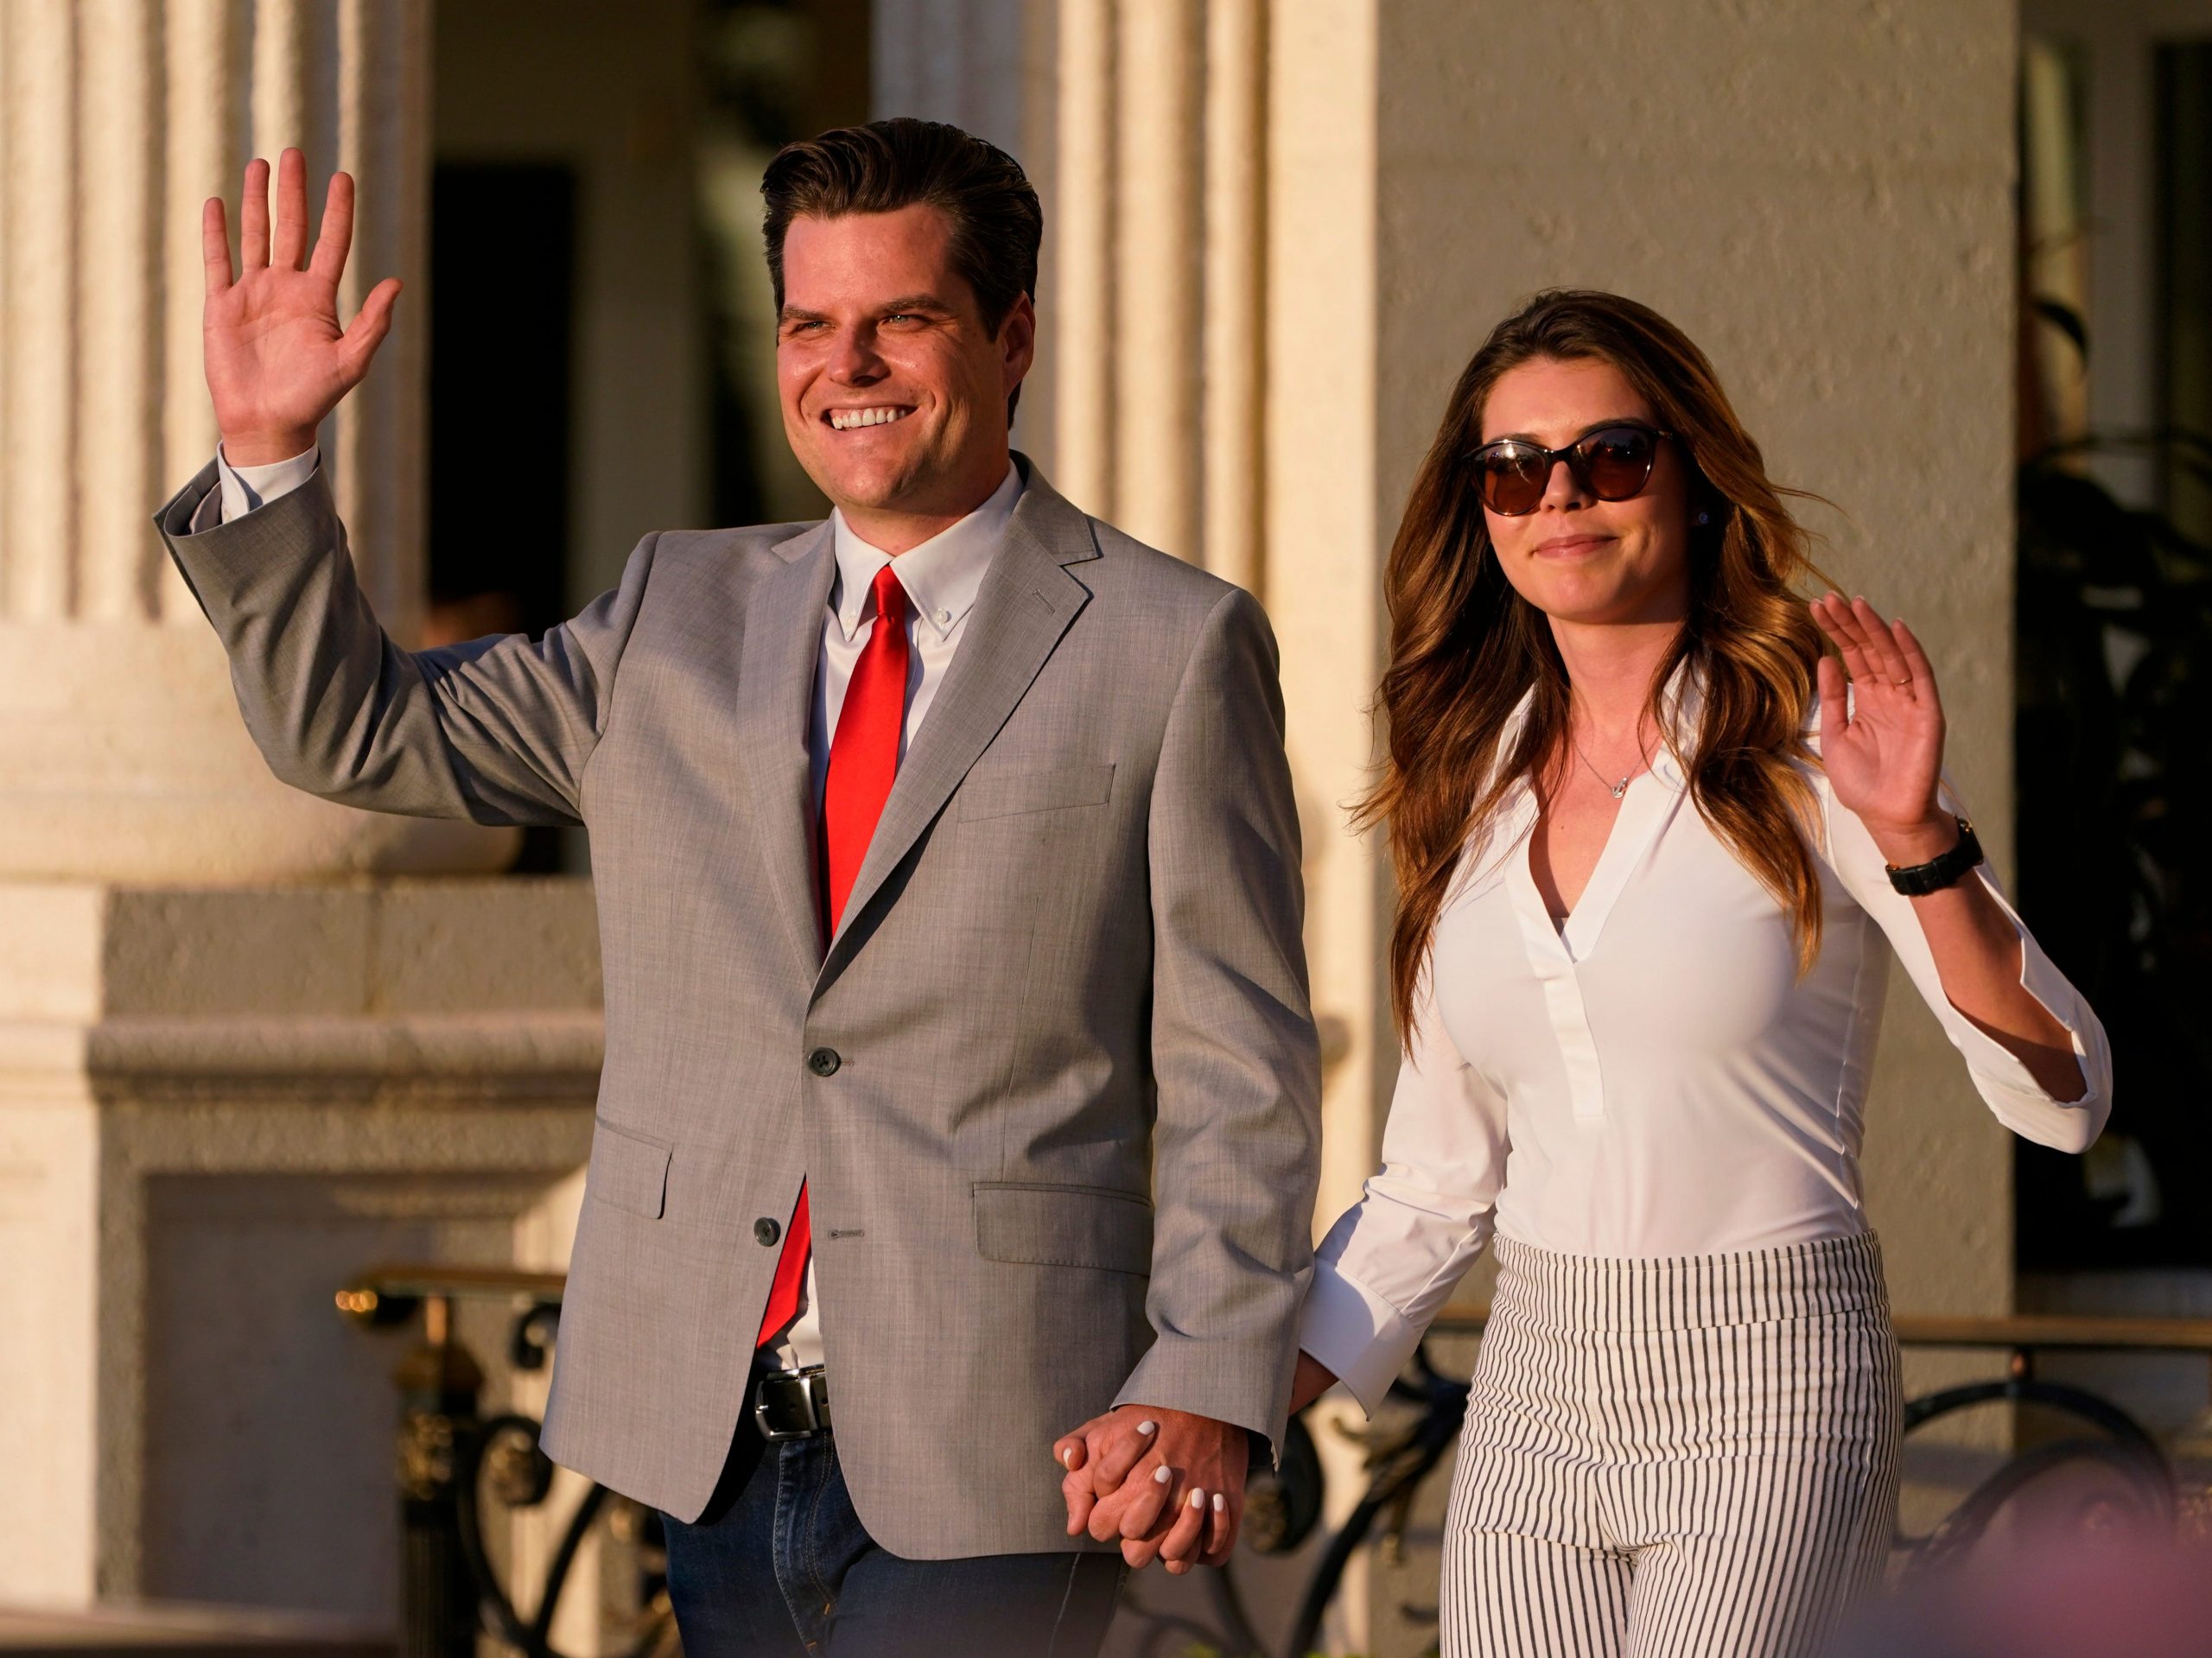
[[1054, 1085]]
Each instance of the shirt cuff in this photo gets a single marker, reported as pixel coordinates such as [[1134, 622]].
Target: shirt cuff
[[1360, 1337], [244, 489], [1996, 1066]]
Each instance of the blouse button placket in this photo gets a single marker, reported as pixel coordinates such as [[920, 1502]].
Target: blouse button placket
[[1578, 1047]]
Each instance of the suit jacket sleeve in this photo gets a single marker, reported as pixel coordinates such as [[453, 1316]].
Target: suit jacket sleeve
[[496, 730], [1235, 1058]]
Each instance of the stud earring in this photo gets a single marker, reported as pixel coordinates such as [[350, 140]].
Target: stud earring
[[1705, 518]]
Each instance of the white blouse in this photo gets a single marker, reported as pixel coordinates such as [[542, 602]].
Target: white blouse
[[1651, 1079]]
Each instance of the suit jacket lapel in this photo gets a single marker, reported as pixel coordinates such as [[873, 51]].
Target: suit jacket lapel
[[1028, 601], [783, 643]]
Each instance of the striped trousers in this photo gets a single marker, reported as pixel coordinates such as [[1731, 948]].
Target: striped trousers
[[1693, 1458]]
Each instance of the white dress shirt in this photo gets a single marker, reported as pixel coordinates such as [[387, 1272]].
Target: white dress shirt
[[942, 576], [244, 488], [1650, 1079]]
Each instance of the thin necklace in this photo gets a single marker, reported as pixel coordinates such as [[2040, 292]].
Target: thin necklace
[[1627, 777]]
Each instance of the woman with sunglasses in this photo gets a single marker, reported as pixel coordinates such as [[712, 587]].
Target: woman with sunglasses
[[1652, 858]]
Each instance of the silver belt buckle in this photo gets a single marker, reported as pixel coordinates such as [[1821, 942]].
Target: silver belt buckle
[[805, 1393]]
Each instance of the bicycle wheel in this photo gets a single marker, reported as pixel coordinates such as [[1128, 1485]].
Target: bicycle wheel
[[2079, 1487], [1432, 1436]]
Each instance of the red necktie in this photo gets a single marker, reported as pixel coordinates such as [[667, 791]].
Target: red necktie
[[864, 760]]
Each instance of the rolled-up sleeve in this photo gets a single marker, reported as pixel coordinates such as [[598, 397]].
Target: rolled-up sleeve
[[1392, 1261], [2006, 1084]]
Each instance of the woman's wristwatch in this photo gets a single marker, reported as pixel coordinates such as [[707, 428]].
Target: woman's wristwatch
[[1917, 881]]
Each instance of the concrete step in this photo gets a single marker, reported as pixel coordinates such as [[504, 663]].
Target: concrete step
[[175, 1628]]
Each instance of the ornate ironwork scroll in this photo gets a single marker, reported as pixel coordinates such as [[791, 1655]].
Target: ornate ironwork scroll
[[456, 1469]]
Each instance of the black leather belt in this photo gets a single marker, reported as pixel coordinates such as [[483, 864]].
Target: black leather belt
[[792, 1404]]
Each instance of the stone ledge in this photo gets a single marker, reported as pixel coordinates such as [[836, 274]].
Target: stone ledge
[[84, 952], [478, 1057], [122, 758], [183, 1629]]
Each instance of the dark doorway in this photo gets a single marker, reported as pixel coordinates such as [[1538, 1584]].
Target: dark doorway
[[2114, 666], [503, 239]]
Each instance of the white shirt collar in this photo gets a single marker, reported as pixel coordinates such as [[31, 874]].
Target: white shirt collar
[[942, 576], [1681, 702]]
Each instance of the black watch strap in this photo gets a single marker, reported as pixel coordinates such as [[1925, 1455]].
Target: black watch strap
[[1917, 881]]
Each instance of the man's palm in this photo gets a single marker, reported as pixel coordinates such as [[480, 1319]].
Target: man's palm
[[277, 360]]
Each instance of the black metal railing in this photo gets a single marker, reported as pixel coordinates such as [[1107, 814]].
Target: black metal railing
[[455, 1466], [451, 1460]]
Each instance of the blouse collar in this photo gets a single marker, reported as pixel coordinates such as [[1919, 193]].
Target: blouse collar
[[1682, 709]]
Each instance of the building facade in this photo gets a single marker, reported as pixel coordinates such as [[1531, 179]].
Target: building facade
[[249, 1042]]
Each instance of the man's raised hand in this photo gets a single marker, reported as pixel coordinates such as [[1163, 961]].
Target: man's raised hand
[[277, 360]]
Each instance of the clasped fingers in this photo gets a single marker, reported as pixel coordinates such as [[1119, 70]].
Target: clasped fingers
[[1203, 1533], [1142, 1516], [1097, 1458]]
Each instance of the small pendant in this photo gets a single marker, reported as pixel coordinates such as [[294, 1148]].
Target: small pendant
[[1620, 788]]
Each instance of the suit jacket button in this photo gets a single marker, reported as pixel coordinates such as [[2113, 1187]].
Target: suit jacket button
[[824, 1062], [766, 1232]]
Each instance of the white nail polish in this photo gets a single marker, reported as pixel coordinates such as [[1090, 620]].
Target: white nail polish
[[1197, 1499], [1163, 1476], [1220, 1502], [1067, 1458], [1147, 1428]]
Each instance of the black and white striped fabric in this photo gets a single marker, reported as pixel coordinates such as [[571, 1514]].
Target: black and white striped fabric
[[1694, 1457]]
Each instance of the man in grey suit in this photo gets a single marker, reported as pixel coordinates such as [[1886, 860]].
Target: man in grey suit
[[961, 1089]]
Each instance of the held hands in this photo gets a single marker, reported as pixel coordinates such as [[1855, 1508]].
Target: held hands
[[1169, 1484], [277, 361], [1883, 756]]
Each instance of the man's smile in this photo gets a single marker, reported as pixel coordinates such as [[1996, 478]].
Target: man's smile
[[847, 419]]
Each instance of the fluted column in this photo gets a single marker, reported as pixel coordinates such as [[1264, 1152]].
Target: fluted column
[[122, 757], [1144, 125], [1159, 248], [383, 122], [1233, 408], [1077, 323], [228, 1080]]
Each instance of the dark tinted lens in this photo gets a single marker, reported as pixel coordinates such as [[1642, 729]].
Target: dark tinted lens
[[1616, 462], [1513, 476]]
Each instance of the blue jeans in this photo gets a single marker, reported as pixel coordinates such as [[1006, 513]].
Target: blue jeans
[[780, 1564]]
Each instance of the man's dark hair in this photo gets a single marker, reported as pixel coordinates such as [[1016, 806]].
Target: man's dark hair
[[887, 165]]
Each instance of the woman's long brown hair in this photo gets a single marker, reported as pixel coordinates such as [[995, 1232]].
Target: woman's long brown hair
[[1464, 647]]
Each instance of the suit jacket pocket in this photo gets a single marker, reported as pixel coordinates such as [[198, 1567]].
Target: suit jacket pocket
[[627, 1170], [1063, 1226], [988, 795]]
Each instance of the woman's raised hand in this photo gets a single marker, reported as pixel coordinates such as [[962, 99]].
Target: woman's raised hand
[[1884, 755], [277, 360]]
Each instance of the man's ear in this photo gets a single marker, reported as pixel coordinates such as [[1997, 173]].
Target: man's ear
[[1018, 341]]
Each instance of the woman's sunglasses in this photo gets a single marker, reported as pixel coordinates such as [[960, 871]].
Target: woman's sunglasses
[[1612, 463]]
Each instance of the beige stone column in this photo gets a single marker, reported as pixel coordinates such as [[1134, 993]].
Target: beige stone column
[[239, 1062], [990, 67], [1143, 125], [1076, 307], [1159, 284], [121, 753], [1233, 323]]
